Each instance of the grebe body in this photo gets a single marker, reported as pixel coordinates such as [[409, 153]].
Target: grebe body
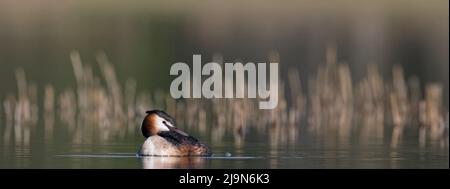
[[164, 139]]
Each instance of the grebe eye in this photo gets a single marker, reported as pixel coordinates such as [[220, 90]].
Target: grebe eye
[[164, 122]]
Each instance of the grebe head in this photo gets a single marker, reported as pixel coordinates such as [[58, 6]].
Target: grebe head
[[158, 121]]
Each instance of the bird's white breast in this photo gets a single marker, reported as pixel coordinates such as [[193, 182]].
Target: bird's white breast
[[158, 146]]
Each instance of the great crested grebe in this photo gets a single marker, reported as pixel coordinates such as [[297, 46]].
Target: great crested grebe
[[164, 139]]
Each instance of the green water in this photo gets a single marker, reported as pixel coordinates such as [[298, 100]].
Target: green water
[[307, 153]]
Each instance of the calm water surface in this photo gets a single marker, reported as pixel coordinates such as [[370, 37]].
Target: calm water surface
[[314, 154]]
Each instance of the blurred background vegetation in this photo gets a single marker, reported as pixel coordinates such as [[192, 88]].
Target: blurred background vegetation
[[145, 38]]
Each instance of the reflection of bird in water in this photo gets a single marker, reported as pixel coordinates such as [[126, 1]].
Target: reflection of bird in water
[[152, 162], [164, 139]]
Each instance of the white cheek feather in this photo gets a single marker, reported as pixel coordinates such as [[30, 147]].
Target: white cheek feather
[[160, 125]]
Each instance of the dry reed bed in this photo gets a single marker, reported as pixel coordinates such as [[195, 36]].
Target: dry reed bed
[[99, 109]]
